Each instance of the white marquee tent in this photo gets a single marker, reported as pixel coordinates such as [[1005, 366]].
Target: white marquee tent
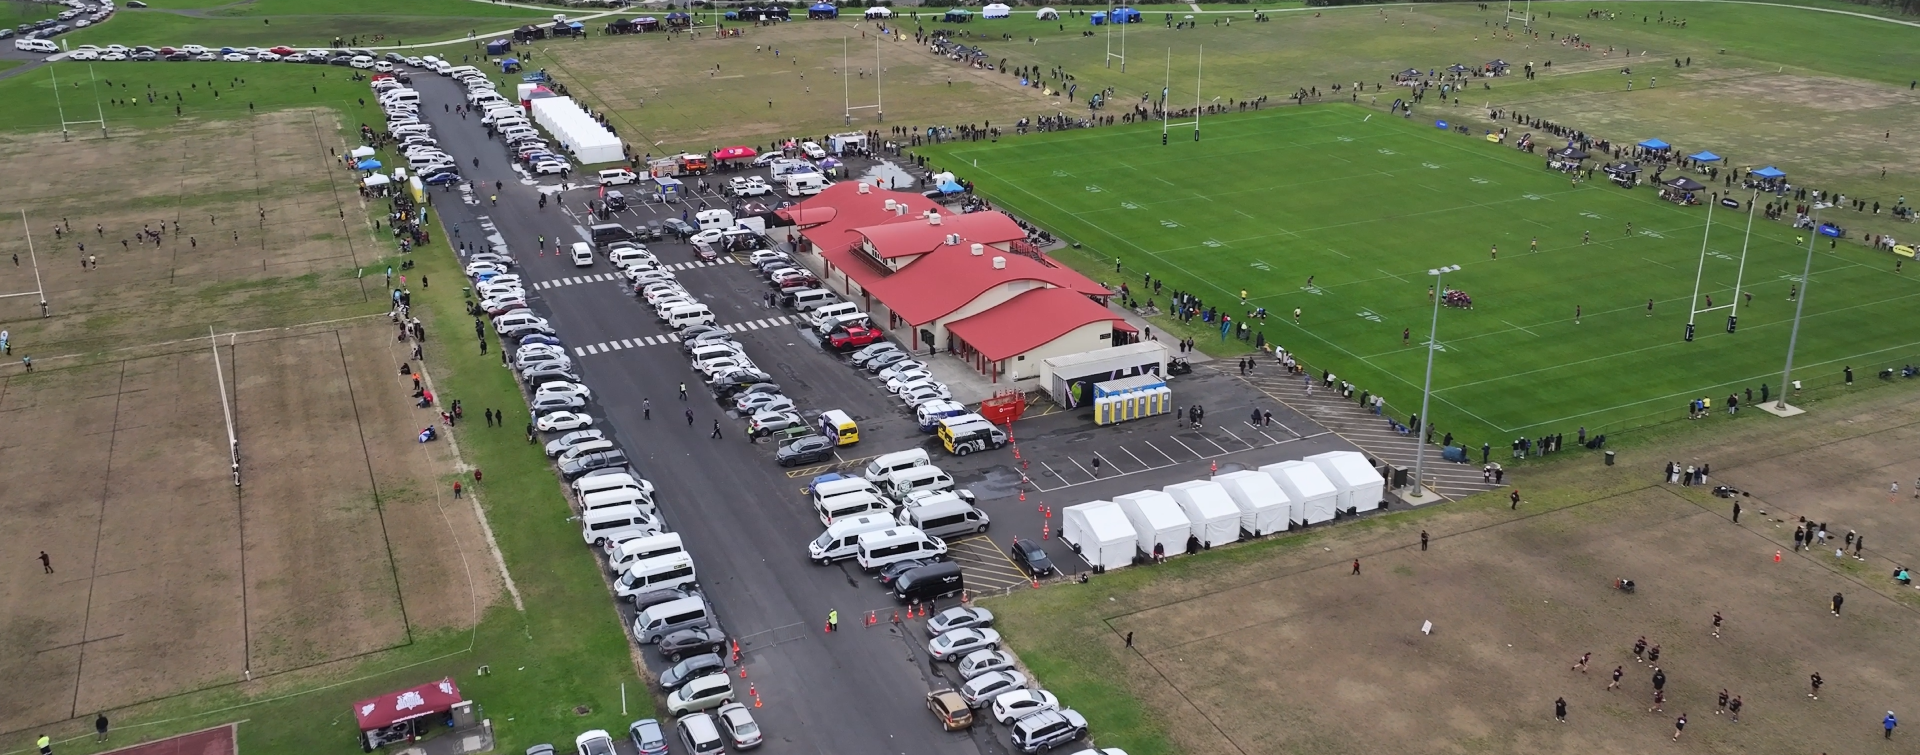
[[996, 10], [1361, 486], [1215, 517], [1047, 14], [1157, 520], [1264, 507], [1100, 533], [1312, 493], [879, 12], [577, 131]]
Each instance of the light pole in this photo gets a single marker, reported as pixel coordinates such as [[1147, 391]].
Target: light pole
[[1799, 304], [1426, 392]]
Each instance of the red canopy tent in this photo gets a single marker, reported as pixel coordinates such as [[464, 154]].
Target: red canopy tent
[[734, 153], [377, 713]]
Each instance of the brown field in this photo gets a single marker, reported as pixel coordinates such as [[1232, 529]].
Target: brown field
[[1270, 650], [344, 539]]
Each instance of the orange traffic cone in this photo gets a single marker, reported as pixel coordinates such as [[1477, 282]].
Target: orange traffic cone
[[1048, 510], [1046, 530], [896, 616], [1016, 452], [1023, 496], [743, 671], [752, 691], [1215, 466], [1776, 557], [1036, 583], [756, 701], [736, 650]]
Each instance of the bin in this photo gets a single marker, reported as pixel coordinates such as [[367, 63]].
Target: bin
[[1609, 458]]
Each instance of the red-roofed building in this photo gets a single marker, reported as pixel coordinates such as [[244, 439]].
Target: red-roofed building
[[969, 283]]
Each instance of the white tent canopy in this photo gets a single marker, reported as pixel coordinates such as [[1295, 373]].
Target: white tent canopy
[[1047, 14], [1157, 520], [1361, 486], [1215, 517], [996, 10], [1312, 493], [1100, 533], [577, 131], [377, 180], [879, 12], [361, 152], [1264, 507]]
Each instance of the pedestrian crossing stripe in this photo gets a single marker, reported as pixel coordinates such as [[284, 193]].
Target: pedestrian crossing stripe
[[604, 277], [620, 344]]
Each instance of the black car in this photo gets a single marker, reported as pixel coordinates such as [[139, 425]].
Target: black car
[[897, 568], [539, 376], [1033, 558], [341, 60], [651, 598], [146, 56], [585, 463], [732, 383], [685, 671], [688, 642], [806, 450], [178, 57]]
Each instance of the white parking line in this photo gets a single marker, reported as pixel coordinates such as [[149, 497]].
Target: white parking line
[[1235, 437], [1109, 462], [628, 341], [1156, 449], [1183, 444], [579, 351], [1136, 457]]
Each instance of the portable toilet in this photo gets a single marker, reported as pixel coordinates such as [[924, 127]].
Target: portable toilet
[[1157, 521], [1103, 410], [1361, 486], [1215, 517], [1264, 507], [1311, 492], [1100, 533]]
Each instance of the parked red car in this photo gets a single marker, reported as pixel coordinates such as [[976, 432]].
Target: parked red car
[[282, 51], [853, 338]]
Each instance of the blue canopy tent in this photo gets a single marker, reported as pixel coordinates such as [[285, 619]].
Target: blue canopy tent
[[1705, 157], [1770, 172], [1098, 18], [510, 65], [498, 46], [368, 165], [951, 187], [1655, 144], [1125, 16], [823, 10]]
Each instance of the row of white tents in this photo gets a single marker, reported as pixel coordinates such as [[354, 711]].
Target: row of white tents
[[1250, 503]]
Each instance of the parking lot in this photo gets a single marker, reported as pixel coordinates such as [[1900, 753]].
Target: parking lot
[[745, 520]]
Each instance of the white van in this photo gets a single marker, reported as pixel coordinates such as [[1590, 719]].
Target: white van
[[852, 504], [618, 177], [841, 322], [950, 516], [411, 129], [929, 414], [620, 497], [827, 491], [587, 486], [812, 298], [395, 96], [886, 464], [582, 254], [710, 351], [825, 312], [880, 548], [842, 538], [35, 45], [715, 219], [658, 573], [518, 130], [687, 315], [898, 484], [458, 71], [643, 548], [805, 184], [669, 617], [600, 525]]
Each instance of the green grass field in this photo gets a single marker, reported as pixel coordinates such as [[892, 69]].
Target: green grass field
[[1367, 204], [301, 22]]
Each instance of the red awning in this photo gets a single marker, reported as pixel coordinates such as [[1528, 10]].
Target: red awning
[[394, 707], [733, 153]]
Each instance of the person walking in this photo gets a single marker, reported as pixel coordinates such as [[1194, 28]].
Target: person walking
[[1639, 648], [1837, 600], [833, 620], [646, 408], [456, 489], [1423, 540], [1733, 706], [1356, 567], [1716, 624], [1653, 656], [46, 563], [1815, 681], [45, 743], [100, 728], [716, 429], [1659, 699], [1581, 665], [1736, 512], [1723, 702], [1618, 671], [1659, 678], [1129, 639], [1888, 723], [1560, 710], [1679, 725], [1515, 498]]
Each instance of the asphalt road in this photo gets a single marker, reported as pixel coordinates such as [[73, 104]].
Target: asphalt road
[[745, 520]]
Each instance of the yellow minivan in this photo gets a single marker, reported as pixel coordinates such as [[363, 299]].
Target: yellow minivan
[[839, 425]]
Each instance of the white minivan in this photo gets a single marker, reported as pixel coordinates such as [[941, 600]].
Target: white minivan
[[882, 547], [805, 184], [658, 573], [886, 464], [842, 538], [689, 315], [832, 489], [643, 548], [35, 45], [582, 254], [898, 484], [619, 497], [669, 617], [586, 486], [826, 312], [850, 505], [601, 525]]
